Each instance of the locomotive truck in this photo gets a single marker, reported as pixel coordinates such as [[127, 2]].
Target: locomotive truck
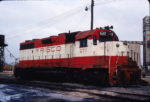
[[95, 55]]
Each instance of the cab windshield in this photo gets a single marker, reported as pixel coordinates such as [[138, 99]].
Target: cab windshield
[[106, 36]]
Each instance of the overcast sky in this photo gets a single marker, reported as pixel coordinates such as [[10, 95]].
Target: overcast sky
[[26, 20]]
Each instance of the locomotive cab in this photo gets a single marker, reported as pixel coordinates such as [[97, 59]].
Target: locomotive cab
[[117, 59], [123, 59], [107, 36]]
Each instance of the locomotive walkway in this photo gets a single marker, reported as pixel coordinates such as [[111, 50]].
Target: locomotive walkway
[[137, 93]]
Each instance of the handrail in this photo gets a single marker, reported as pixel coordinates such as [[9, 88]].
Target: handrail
[[117, 58]]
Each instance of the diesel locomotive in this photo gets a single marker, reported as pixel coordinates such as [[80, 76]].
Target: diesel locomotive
[[95, 55]]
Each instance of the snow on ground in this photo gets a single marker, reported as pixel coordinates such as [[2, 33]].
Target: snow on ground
[[19, 93], [14, 93]]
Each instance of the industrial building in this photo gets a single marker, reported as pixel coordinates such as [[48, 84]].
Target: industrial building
[[146, 43], [2, 45]]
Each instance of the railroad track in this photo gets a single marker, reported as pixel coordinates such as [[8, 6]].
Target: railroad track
[[119, 96], [113, 96]]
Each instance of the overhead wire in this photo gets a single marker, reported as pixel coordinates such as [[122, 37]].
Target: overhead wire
[[103, 2], [11, 55], [52, 23], [26, 0], [83, 18], [57, 20], [64, 15], [54, 20], [44, 26]]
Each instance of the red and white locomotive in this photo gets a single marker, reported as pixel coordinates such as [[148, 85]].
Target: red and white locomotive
[[93, 55]]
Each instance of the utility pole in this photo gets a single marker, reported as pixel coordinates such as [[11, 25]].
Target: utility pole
[[92, 13]]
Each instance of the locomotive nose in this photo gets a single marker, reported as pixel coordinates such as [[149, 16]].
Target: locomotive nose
[[129, 76]]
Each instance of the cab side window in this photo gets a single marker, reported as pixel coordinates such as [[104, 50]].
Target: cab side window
[[27, 46], [46, 41], [94, 40], [83, 42]]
